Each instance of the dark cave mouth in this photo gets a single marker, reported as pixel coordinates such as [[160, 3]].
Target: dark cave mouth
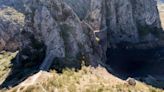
[[132, 62]]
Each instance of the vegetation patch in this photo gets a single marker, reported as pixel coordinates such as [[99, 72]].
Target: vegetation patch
[[88, 79], [5, 64], [10, 14]]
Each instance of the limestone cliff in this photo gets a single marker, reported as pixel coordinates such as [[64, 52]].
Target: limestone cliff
[[132, 21], [67, 29], [60, 29]]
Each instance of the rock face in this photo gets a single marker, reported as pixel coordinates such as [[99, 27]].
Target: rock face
[[89, 10], [129, 21], [11, 23], [66, 38], [66, 30], [132, 20]]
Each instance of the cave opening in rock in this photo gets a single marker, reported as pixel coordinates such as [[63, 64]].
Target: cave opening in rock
[[133, 62]]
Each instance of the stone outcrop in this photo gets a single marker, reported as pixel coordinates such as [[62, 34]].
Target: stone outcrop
[[89, 10], [132, 21], [128, 21], [67, 39], [66, 30], [11, 23]]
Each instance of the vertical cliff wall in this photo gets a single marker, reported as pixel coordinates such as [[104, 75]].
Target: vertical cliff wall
[[132, 21], [77, 30]]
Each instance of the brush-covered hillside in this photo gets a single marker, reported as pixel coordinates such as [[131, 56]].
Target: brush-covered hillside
[[87, 79]]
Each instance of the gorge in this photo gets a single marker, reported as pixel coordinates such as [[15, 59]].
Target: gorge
[[125, 36]]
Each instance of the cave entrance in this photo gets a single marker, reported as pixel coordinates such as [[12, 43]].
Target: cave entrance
[[131, 62]]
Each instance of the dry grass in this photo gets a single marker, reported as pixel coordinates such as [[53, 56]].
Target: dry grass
[[5, 58], [10, 14], [161, 11], [88, 79]]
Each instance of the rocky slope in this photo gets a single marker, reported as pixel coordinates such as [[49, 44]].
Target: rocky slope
[[88, 79]]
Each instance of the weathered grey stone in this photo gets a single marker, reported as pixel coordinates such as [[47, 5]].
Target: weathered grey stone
[[69, 28], [56, 25], [131, 81], [11, 23], [80, 7], [132, 21]]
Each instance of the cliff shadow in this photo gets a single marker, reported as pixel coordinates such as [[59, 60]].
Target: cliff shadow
[[145, 65], [26, 63]]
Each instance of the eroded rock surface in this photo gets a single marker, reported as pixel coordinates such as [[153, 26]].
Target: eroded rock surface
[[66, 30], [11, 24], [132, 21], [67, 39], [68, 33]]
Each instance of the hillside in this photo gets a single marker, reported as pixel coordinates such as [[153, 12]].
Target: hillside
[[87, 79], [81, 46]]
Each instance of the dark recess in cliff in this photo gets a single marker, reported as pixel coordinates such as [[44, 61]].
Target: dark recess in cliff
[[137, 63]]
